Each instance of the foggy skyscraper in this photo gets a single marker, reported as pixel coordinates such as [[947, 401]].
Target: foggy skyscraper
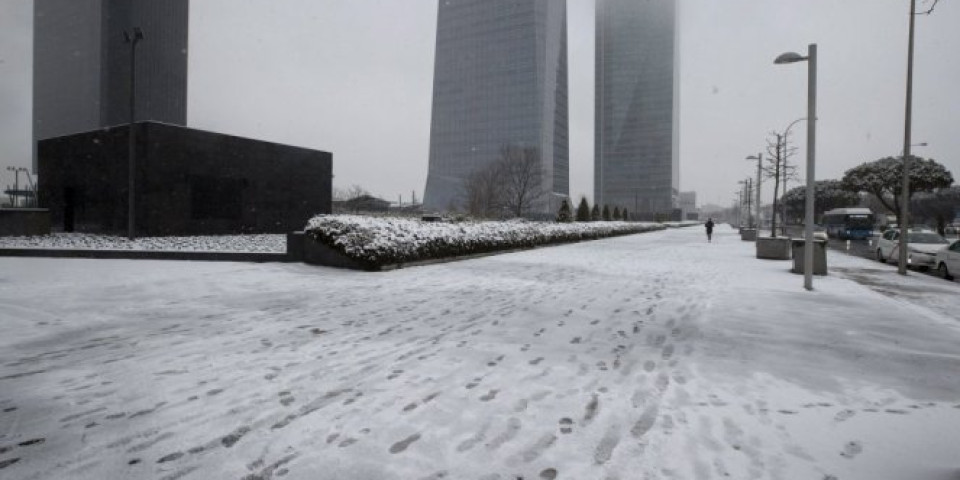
[[82, 65], [500, 80], [637, 96]]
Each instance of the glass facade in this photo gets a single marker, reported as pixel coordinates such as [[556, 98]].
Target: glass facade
[[500, 80], [636, 126], [82, 65]]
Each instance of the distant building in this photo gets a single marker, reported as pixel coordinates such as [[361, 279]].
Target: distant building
[[363, 203], [688, 205], [500, 80], [637, 98], [82, 64], [188, 182]]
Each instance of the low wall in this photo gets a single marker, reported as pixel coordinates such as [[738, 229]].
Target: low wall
[[24, 222]]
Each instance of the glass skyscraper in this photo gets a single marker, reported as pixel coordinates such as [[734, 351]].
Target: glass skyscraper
[[500, 80], [81, 76], [637, 98]]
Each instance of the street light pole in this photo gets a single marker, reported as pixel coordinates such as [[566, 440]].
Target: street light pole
[[16, 187], [132, 38], [811, 60], [908, 117], [759, 158]]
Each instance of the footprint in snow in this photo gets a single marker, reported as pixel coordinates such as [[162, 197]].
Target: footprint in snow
[[489, 396], [852, 449]]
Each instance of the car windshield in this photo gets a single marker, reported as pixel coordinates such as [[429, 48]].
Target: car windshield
[[926, 238]]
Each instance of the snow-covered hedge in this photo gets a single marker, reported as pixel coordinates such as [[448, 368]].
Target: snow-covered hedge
[[382, 241]]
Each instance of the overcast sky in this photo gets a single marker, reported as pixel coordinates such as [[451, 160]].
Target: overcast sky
[[354, 77]]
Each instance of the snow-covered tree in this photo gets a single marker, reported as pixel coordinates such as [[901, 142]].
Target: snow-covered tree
[[583, 211], [830, 194], [883, 179], [938, 207], [564, 215]]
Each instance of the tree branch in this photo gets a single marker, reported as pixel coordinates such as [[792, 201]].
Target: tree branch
[[929, 10]]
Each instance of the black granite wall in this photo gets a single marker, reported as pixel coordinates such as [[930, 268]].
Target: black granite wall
[[189, 182]]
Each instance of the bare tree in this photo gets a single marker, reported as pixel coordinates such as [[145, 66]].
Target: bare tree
[[777, 153], [482, 192], [522, 179], [356, 191], [511, 185]]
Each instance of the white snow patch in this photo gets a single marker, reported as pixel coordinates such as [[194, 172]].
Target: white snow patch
[[264, 243], [644, 356]]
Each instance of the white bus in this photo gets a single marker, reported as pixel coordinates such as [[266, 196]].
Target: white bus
[[848, 223]]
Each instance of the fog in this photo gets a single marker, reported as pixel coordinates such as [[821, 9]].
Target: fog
[[355, 78]]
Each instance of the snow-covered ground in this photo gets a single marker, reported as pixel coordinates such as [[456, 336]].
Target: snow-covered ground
[[648, 356], [263, 243]]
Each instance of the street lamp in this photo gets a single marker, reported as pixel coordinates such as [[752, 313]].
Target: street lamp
[[747, 194], [132, 37], [811, 59], [759, 158], [908, 117]]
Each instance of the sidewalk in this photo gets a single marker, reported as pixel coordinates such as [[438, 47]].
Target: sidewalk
[[650, 356]]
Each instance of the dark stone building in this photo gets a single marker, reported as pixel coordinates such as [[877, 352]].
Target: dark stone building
[[81, 64], [188, 182]]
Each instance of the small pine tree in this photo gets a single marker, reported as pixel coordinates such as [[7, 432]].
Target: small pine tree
[[564, 215], [625, 215], [616, 213], [595, 213], [583, 211], [606, 213]]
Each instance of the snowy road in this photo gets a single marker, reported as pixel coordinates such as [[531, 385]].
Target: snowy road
[[650, 356]]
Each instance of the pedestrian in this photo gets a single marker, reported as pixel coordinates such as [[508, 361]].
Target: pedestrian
[[709, 226]]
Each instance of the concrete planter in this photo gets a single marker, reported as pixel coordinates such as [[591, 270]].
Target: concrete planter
[[819, 256], [315, 253], [773, 248], [748, 234]]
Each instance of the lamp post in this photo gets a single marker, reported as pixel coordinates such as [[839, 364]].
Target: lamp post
[[759, 158], [739, 208], [747, 198], [811, 60], [908, 117], [16, 185], [132, 37]]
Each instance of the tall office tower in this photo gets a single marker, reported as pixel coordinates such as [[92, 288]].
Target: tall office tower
[[82, 64], [636, 153], [500, 80]]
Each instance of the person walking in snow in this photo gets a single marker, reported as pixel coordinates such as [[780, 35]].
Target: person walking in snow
[[709, 226]]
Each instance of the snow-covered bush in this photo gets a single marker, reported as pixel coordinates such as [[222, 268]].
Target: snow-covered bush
[[382, 241]]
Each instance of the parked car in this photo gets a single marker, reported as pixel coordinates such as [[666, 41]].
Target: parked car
[[922, 246], [948, 260]]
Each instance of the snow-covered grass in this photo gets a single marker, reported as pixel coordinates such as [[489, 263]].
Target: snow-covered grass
[[385, 240], [85, 241]]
